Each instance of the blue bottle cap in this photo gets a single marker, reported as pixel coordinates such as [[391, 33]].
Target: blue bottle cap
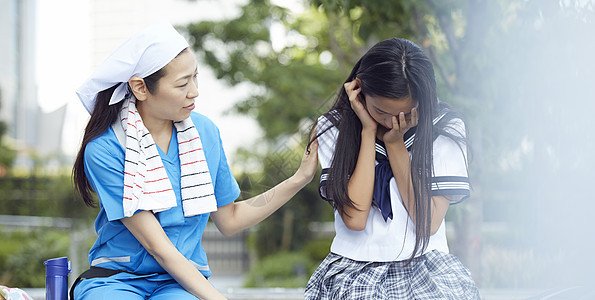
[[57, 266]]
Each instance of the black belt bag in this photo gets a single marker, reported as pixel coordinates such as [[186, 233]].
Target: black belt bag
[[95, 272]]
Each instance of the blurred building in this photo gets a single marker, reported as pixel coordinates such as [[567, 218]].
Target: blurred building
[[17, 76], [48, 48], [31, 130]]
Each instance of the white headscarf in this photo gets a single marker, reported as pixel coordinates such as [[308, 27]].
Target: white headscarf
[[141, 55]]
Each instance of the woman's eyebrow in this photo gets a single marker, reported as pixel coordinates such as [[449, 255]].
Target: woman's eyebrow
[[188, 76]]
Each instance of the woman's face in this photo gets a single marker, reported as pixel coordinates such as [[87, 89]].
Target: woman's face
[[382, 109], [174, 96]]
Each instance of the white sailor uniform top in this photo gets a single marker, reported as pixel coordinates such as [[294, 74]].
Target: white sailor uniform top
[[393, 239]]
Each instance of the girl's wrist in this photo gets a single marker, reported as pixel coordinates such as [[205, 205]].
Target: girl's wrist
[[396, 145], [369, 131]]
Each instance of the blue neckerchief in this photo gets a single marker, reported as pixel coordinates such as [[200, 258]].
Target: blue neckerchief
[[383, 172]]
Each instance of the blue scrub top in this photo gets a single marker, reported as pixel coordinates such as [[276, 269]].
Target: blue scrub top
[[116, 247]]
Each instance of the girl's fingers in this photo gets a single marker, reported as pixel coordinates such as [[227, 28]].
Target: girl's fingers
[[395, 123], [402, 120], [346, 87], [354, 99], [357, 104], [349, 87], [352, 92]]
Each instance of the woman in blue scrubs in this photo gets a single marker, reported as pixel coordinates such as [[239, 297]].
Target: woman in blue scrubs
[[149, 244]]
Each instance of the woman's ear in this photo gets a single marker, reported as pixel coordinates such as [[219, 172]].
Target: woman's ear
[[138, 88]]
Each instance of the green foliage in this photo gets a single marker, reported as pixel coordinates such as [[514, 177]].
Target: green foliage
[[22, 255], [289, 269], [318, 249], [287, 229], [283, 269], [377, 19], [51, 196], [296, 82]]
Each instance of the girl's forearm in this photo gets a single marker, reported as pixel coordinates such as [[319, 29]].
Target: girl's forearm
[[361, 184], [400, 164]]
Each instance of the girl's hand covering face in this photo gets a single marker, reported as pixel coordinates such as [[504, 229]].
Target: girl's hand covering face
[[400, 127], [353, 90]]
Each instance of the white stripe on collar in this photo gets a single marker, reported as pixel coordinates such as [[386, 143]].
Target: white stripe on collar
[[410, 140]]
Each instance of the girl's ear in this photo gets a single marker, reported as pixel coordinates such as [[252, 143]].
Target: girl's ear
[[138, 88], [358, 82]]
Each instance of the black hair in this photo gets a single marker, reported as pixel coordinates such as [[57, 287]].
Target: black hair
[[393, 68], [102, 117]]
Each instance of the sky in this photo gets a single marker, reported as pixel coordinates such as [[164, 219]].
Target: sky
[[68, 49]]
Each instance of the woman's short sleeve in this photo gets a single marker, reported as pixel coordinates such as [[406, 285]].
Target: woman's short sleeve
[[450, 176], [104, 168]]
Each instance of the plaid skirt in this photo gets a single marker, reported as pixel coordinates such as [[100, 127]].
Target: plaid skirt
[[434, 275]]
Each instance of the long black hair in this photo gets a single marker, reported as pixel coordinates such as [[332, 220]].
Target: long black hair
[[394, 68], [102, 117]]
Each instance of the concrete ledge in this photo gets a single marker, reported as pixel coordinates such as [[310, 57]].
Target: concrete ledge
[[263, 293], [298, 294]]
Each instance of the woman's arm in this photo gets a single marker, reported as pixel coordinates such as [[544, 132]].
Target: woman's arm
[[147, 230], [237, 216]]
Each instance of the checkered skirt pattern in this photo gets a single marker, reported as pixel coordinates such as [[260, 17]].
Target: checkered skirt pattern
[[435, 275]]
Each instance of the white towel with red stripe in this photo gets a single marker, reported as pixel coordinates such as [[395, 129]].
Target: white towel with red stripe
[[146, 185]]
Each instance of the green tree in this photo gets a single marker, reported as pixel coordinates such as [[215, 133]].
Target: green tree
[[292, 84], [292, 81]]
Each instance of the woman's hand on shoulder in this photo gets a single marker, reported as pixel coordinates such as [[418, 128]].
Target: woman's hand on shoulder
[[400, 127], [353, 90]]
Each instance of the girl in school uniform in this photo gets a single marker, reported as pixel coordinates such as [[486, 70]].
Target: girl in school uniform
[[159, 171], [393, 159]]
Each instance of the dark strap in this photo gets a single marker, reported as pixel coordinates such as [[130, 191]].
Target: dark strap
[[93, 272]]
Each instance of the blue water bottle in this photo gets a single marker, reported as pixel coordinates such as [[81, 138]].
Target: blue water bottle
[[56, 278]]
